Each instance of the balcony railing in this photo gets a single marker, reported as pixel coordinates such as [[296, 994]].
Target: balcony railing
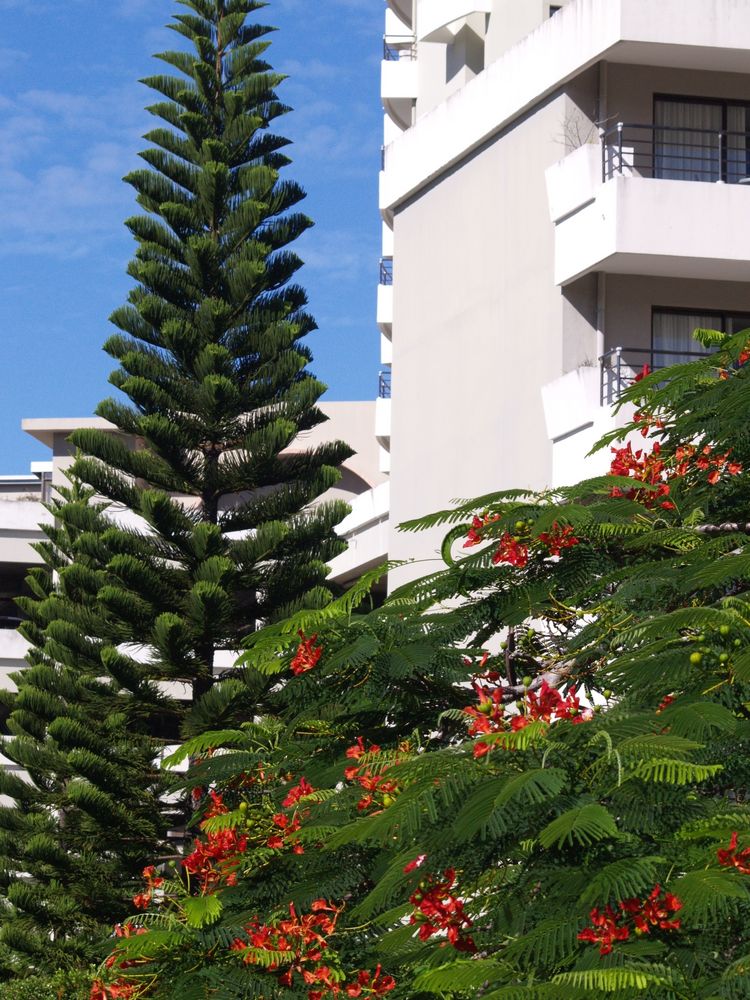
[[386, 270], [384, 384], [396, 47], [674, 152], [621, 367]]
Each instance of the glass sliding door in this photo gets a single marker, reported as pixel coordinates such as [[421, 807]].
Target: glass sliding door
[[737, 150], [687, 146], [672, 340]]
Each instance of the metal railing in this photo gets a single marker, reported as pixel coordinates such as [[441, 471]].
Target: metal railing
[[396, 47], [621, 367], [674, 152], [384, 384], [386, 270]]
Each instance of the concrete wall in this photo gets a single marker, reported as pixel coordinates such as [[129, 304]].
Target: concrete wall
[[512, 20], [354, 423], [477, 322]]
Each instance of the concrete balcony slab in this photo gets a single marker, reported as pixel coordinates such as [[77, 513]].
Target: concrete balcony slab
[[664, 228], [385, 309]]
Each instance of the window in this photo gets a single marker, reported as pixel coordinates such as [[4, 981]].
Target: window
[[672, 340], [554, 8], [701, 139]]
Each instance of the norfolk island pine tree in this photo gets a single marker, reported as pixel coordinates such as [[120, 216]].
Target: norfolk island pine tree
[[230, 530]]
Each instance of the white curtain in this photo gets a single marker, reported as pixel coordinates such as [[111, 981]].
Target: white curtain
[[672, 336], [737, 164], [689, 149]]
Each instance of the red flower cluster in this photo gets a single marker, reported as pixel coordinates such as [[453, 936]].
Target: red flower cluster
[[644, 467], [111, 991], [217, 857], [547, 704], [307, 654], [287, 825], [120, 987], [302, 940], [438, 909], [300, 791], [142, 899], [478, 524], [605, 930], [511, 550], [559, 538], [664, 703], [514, 549], [652, 469], [705, 461], [369, 984], [732, 858], [489, 715], [379, 789], [640, 916]]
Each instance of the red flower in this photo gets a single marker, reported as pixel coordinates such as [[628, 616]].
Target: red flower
[[475, 536], [646, 370], [512, 551], [307, 654], [112, 991], [300, 791], [376, 985], [217, 857], [416, 863], [732, 858], [609, 925], [665, 703], [481, 749], [142, 900], [438, 909], [559, 538], [654, 911], [605, 931], [380, 787]]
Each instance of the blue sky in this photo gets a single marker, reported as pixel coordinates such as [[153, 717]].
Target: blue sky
[[71, 121]]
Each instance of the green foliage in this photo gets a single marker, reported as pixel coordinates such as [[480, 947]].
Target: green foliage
[[444, 760], [60, 986]]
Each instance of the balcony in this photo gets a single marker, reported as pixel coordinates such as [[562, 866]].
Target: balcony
[[440, 20], [365, 530], [399, 82], [13, 649], [661, 201], [20, 521], [620, 367], [385, 296], [383, 418]]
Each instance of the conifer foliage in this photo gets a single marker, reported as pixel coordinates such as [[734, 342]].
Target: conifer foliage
[[523, 778], [189, 522]]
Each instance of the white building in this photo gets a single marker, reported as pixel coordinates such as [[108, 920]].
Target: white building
[[559, 181]]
